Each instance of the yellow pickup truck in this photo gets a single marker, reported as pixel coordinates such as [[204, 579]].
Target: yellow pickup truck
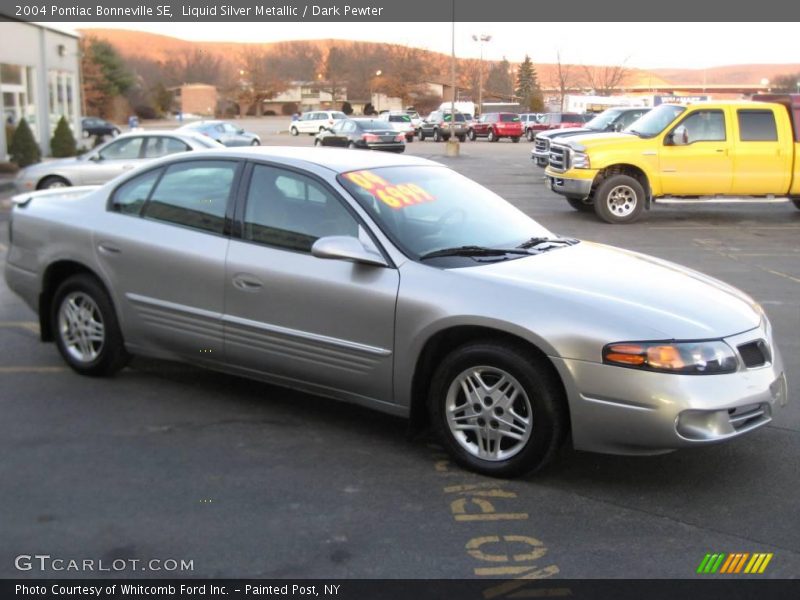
[[700, 150]]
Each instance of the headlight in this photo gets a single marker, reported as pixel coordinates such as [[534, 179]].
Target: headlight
[[580, 160], [686, 358]]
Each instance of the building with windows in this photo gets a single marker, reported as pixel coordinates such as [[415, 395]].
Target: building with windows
[[39, 80]]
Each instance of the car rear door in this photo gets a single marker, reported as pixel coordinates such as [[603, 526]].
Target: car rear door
[[162, 247], [296, 318], [763, 152]]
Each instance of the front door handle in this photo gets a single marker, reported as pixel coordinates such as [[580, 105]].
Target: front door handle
[[247, 283]]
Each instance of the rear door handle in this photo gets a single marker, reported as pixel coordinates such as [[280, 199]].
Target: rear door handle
[[247, 283]]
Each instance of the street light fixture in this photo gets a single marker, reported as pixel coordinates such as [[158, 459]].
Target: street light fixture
[[377, 106], [481, 39]]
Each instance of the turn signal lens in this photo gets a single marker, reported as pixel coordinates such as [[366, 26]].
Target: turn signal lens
[[687, 358]]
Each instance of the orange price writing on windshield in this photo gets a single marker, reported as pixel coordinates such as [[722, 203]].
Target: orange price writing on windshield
[[395, 196]]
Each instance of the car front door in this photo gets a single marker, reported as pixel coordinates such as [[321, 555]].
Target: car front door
[[112, 160], [695, 157], [163, 248], [315, 323]]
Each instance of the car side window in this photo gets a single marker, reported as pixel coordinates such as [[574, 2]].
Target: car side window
[[292, 211], [193, 194], [159, 146], [125, 149], [348, 127], [757, 126], [705, 126], [337, 127], [129, 198]]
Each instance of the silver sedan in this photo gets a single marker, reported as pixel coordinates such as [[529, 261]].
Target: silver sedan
[[395, 283], [111, 159]]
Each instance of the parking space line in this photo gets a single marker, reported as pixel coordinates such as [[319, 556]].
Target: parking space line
[[29, 325], [24, 369], [701, 227], [779, 274]]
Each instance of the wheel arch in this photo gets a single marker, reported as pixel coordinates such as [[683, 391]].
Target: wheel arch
[[629, 169], [444, 341]]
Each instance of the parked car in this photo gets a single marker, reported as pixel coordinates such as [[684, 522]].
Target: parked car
[[612, 119], [95, 126], [225, 133], [495, 126], [439, 125], [530, 119], [125, 152], [556, 120], [401, 122], [315, 121], [398, 284], [416, 120], [372, 134], [697, 150]]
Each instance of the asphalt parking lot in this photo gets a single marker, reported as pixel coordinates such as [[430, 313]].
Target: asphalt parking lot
[[248, 480]]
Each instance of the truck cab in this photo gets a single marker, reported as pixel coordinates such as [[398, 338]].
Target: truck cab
[[695, 151]]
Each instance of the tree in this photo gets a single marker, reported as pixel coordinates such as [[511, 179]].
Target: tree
[[786, 83], [104, 75], [528, 89], [499, 81], [258, 80], [405, 73], [331, 80], [23, 149], [347, 108], [607, 79], [63, 143], [563, 79], [161, 98]]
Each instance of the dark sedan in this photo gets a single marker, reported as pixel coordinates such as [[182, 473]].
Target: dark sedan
[[373, 134], [95, 126]]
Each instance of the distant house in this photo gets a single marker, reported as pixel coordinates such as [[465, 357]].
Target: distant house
[[306, 95], [39, 80], [196, 99]]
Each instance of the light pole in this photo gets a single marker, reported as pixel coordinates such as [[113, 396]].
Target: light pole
[[378, 73], [481, 39]]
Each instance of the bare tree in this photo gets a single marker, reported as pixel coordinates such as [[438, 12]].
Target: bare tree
[[563, 79], [606, 79], [258, 80]]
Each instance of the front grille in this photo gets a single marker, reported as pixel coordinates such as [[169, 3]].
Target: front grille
[[754, 354], [542, 145], [743, 417], [559, 158]]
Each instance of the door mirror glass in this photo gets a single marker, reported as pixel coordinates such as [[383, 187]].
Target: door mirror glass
[[346, 247]]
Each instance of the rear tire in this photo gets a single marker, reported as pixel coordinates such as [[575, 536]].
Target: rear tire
[[255, 143], [437, 137], [86, 329], [421, 135], [515, 140], [619, 199], [480, 423], [471, 135], [462, 138], [530, 135], [491, 137], [352, 146], [318, 142]]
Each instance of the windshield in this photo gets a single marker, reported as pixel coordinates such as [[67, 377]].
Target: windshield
[[424, 209], [656, 120], [572, 118], [602, 121], [399, 119], [505, 118]]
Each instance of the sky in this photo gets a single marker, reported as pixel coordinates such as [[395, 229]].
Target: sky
[[642, 45]]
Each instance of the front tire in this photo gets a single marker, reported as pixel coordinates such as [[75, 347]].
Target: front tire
[[619, 199], [255, 143], [421, 135], [530, 135], [471, 135], [796, 201], [515, 139], [491, 137], [498, 410], [462, 138], [294, 131], [580, 205], [437, 137], [53, 182], [87, 332]]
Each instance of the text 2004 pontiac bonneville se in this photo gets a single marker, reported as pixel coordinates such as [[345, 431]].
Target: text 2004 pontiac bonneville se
[[395, 283]]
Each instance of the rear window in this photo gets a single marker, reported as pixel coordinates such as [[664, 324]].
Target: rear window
[[338, 115], [509, 118], [573, 119], [757, 126], [459, 117], [400, 119]]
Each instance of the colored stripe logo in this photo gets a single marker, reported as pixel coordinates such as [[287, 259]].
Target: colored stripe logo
[[729, 564]]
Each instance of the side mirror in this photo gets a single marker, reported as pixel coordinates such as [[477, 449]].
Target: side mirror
[[346, 247], [240, 131], [679, 137], [618, 127], [95, 157]]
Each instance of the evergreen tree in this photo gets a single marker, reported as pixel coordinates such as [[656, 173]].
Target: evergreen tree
[[24, 150], [63, 143], [498, 80], [528, 89]]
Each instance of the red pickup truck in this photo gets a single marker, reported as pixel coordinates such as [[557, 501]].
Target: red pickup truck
[[494, 126]]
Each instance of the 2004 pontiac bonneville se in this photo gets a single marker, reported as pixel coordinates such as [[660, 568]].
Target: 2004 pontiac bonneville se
[[395, 283]]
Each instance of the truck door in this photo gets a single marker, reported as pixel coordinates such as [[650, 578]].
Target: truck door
[[695, 156], [764, 152]]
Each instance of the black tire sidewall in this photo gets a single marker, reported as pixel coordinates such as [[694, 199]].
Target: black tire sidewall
[[113, 356], [548, 406], [580, 205], [51, 179], [601, 195]]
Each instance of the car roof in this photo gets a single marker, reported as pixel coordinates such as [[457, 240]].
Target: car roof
[[339, 160]]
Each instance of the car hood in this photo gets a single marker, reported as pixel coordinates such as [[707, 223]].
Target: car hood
[[597, 282]]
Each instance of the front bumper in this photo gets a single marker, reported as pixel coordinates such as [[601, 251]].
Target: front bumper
[[629, 411], [576, 188]]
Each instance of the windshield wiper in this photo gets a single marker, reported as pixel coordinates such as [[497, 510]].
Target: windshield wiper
[[473, 251], [634, 132], [540, 241]]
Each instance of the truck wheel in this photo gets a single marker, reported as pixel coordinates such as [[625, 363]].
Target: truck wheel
[[421, 135], [437, 137], [580, 204], [471, 135], [491, 137], [497, 409], [796, 201], [619, 199]]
